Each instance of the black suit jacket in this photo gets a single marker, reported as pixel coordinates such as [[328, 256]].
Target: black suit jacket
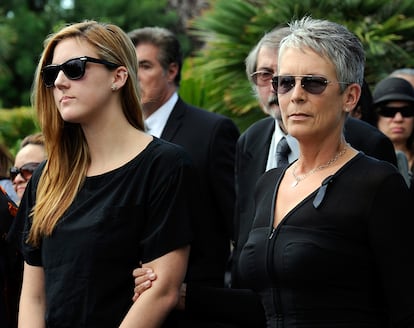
[[251, 157], [210, 140]]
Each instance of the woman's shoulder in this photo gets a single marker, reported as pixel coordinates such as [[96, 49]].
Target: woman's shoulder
[[366, 161], [162, 152], [161, 147], [374, 173]]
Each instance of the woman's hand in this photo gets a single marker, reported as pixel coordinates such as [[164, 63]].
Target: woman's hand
[[143, 278]]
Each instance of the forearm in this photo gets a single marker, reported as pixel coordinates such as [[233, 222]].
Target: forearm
[[32, 300], [151, 309], [31, 313]]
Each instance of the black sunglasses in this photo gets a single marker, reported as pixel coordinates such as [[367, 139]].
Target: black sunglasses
[[406, 111], [313, 84], [25, 171], [74, 69]]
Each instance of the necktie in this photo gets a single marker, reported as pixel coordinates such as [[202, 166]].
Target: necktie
[[282, 152]]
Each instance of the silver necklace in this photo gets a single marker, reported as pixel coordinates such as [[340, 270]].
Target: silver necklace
[[299, 178]]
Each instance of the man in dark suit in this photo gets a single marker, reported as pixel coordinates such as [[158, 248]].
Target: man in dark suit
[[208, 138]]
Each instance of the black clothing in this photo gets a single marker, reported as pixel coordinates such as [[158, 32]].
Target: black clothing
[[135, 213], [210, 140], [252, 151], [368, 139], [342, 257], [10, 265]]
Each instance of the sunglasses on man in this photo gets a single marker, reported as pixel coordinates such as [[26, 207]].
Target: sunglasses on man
[[386, 111], [262, 78], [311, 83], [26, 171], [74, 69]]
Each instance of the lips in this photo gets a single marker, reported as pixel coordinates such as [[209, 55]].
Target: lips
[[65, 99]]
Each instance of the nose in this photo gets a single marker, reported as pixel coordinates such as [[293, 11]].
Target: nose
[[18, 178], [297, 91], [60, 78], [398, 116]]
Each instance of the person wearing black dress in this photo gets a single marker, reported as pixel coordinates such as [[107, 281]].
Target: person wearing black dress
[[109, 197], [330, 245]]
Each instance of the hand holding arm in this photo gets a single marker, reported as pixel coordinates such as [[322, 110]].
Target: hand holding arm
[[143, 278], [153, 306]]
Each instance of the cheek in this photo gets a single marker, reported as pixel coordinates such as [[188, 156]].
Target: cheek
[[283, 101], [383, 123], [263, 95], [410, 124]]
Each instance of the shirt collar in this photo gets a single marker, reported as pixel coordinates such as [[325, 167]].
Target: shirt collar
[[156, 122]]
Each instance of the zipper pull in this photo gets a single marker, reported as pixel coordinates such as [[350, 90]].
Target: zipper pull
[[271, 234]]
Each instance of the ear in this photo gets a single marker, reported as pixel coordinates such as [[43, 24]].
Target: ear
[[351, 96], [120, 76], [172, 71]]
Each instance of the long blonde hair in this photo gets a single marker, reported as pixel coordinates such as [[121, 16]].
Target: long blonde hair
[[66, 146]]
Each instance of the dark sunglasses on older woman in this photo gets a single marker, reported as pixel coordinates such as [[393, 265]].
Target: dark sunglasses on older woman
[[74, 69], [26, 171], [406, 111], [311, 83]]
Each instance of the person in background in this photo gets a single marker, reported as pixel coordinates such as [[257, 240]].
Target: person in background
[[407, 74], [9, 290], [335, 250], [6, 162], [109, 195], [256, 150], [29, 156], [393, 104], [363, 109], [404, 73], [31, 153], [209, 139]]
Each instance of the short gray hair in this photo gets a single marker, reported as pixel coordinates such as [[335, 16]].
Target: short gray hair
[[269, 40], [331, 40]]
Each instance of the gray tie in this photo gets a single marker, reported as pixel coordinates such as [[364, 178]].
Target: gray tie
[[282, 152]]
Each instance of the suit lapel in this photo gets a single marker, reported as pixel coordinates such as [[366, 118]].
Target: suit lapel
[[175, 120], [258, 150]]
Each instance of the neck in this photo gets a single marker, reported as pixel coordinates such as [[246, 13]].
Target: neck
[[299, 177]]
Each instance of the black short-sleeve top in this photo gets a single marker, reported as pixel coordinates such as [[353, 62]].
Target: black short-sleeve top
[[135, 213]]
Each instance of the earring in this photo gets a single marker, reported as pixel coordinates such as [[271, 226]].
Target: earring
[[114, 87]]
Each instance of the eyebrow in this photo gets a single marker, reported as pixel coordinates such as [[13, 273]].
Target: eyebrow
[[267, 69], [145, 61]]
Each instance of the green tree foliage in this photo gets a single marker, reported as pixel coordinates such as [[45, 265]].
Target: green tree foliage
[[24, 24], [214, 75], [15, 125], [231, 28]]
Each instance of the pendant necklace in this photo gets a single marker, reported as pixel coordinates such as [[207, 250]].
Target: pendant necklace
[[299, 178]]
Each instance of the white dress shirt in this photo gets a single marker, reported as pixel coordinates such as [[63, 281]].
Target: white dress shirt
[[155, 123]]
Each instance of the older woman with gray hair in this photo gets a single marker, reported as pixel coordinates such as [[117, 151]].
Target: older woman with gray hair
[[330, 245]]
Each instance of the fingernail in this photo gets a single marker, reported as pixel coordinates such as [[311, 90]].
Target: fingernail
[[151, 276]]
